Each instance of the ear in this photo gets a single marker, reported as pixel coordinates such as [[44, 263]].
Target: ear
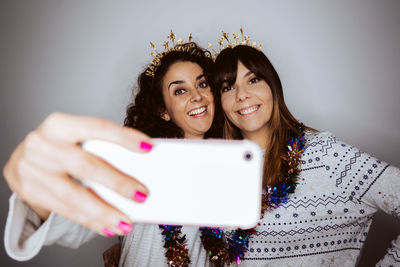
[[165, 116]]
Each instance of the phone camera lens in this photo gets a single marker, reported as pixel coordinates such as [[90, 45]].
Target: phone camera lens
[[248, 156]]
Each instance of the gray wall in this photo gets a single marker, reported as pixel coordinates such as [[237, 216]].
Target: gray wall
[[339, 62]]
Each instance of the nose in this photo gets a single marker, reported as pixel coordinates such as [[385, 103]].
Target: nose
[[196, 96], [241, 93]]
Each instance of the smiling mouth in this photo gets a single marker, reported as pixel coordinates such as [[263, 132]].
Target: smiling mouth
[[248, 110], [197, 111]]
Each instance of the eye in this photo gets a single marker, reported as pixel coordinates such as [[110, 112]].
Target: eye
[[254, 80], [203, 84], [179, 91], [226, 89]]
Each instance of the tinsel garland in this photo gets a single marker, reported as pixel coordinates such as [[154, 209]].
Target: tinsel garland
[[232, 250], [177, 253]]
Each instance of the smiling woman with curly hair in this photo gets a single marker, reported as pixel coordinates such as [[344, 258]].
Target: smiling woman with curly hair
[[174, 100], [144, 113]]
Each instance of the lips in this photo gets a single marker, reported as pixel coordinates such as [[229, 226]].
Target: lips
[[248, 110], [197, 111]]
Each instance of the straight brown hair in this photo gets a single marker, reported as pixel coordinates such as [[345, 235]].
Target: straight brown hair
[[282, 123]]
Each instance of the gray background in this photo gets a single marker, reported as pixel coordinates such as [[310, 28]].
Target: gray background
[[339, 62]]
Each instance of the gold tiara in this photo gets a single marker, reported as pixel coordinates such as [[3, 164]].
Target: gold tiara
[[179, 45], [224, 42]]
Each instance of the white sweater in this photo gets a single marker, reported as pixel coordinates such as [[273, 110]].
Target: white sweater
[[325, 222]]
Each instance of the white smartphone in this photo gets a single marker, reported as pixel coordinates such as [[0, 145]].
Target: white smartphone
[[191, 182]]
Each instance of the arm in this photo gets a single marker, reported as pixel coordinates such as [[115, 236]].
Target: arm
[[26, 233], [366, 181], [39, 172], [384, 194]]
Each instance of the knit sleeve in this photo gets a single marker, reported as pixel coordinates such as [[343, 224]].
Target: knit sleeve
[[26, 234], [371, 184], [384, 194]]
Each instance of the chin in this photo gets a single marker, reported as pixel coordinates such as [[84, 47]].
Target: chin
[[205, 129], [251, 127]]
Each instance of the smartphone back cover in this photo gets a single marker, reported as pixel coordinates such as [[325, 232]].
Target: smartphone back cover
[[191, 182]]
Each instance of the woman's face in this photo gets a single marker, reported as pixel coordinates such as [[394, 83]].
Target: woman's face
[[188, 99], [248, 103]]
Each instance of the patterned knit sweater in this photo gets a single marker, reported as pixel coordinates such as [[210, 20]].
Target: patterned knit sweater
[[325, 222]]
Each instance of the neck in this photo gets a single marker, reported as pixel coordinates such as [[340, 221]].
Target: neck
[[261, 137], [193, 136]]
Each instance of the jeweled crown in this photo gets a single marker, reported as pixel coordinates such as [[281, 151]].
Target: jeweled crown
[[178, 45], [224, 42]]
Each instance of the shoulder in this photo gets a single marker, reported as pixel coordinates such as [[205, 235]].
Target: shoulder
[[345, 164], [312, 138], [328, 145], [320, 141], [336, 154]]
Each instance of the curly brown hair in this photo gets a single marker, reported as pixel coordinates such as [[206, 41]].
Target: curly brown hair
[[145, 112]]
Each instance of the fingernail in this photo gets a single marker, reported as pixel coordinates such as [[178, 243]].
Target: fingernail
[[139, 196], [125, 227], [145, 146], [108, 232]]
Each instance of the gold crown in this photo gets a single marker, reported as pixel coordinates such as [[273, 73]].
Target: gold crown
[[179, 45], [244, 40]]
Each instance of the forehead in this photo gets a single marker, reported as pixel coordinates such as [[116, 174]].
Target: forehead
[[183, 70], [242, 69]]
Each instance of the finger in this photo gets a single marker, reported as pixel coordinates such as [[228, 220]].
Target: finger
[[42, 153], [73, 160], [94, 213], [69, 199], [87, 167], [77, 128]]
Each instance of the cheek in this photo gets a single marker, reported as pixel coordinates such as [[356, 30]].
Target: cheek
[[227, 107], [265, 94], [168, 104], [270, 105], [175, 107], [226, 103], [212, 107], [209, 96], [270, 100], [179, 108], [168, 100], [211, 104]]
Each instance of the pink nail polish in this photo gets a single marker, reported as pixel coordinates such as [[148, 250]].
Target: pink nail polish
[[139, 196], [125, 227], [145, 146], [108, 232]]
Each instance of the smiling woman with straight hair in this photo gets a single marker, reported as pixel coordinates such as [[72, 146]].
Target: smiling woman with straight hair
[[320, 193]]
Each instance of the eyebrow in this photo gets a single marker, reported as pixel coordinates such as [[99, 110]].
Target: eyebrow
[[247, 74], [180, 81], [175, 82]]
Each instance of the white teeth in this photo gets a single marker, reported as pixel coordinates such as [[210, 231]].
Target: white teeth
[[248, 110], [197, 111]]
